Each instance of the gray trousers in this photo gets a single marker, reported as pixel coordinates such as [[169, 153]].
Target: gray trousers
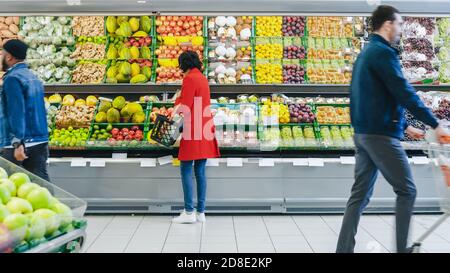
[[383, 153]]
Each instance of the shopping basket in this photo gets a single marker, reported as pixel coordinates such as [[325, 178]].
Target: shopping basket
[[166, 132], [440, 163]]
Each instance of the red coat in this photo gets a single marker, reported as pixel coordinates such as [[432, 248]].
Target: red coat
[[198, 140]]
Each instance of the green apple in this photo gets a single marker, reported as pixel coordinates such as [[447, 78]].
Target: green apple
[[3, 173], [19, 205], [51, 220], [3, 212], [19, 179], [53, 201], [36, 228], [11, 186], [39, 198], [5, 195], [64, 212], [25, 189], [17, 223]]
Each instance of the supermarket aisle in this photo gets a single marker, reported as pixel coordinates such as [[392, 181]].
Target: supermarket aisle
[[250, 234]]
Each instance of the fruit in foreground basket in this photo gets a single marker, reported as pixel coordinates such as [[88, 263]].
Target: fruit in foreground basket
[[3, 173], [19, 179], [50, 218], [5, 194], [17, 223], [4, 212], [39, 198], [19, 205], [25, 189], [35, 229], [64, 213], [9, 185]]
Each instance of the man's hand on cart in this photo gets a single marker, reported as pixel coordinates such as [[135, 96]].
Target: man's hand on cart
[[415, 133], [442, 135]]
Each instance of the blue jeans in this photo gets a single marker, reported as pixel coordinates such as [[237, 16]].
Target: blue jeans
[[188, 184], [385, 154]]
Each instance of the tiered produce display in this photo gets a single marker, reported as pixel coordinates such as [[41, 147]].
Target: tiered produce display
[[234, 49]]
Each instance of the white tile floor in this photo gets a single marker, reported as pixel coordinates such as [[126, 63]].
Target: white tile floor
[[244, 234]]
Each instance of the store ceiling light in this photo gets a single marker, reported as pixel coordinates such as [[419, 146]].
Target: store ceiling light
[[73, 2], [141, 2]]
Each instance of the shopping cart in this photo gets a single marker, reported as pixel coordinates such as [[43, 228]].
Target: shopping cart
[[70, 240], [440, 161]]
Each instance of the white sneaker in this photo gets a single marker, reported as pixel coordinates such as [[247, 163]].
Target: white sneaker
[[185, 218], [201, 217]]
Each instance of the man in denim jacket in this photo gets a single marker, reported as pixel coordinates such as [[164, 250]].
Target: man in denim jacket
[[23, 118]]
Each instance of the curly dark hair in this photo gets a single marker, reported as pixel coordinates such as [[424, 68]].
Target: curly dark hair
[[188, 60]]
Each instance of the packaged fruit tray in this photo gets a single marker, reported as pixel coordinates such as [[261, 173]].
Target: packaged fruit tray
[[326, 114], [294, 136], [330, 26], [54, 222], [335, 136]]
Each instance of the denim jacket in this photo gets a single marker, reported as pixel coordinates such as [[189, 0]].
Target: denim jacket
[[22, 107]]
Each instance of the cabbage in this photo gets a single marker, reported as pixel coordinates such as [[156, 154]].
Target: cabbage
[[444, 26]]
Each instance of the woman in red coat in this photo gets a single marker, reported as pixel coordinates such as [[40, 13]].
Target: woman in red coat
[[198, 140]]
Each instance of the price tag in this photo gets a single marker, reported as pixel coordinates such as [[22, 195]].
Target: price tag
[[98, 163], [315, 162], [78, 162], [148, 162], [266, 162], [165, 160], [348, 160], [212, 162], [119, 155], [234, 162], [420, 160], [300, 162]]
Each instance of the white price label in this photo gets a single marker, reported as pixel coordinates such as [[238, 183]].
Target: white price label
[[315, 162], [300, 162], [148, 162], [165, 160], [420, 160], [119, 155], [98, 163], [78, 162], [266, 162], [348, 160], [234, 162], [212, 162]]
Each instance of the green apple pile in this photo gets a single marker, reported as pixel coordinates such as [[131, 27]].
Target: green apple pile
[[29, 211], [101, 134], [69, 137]]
